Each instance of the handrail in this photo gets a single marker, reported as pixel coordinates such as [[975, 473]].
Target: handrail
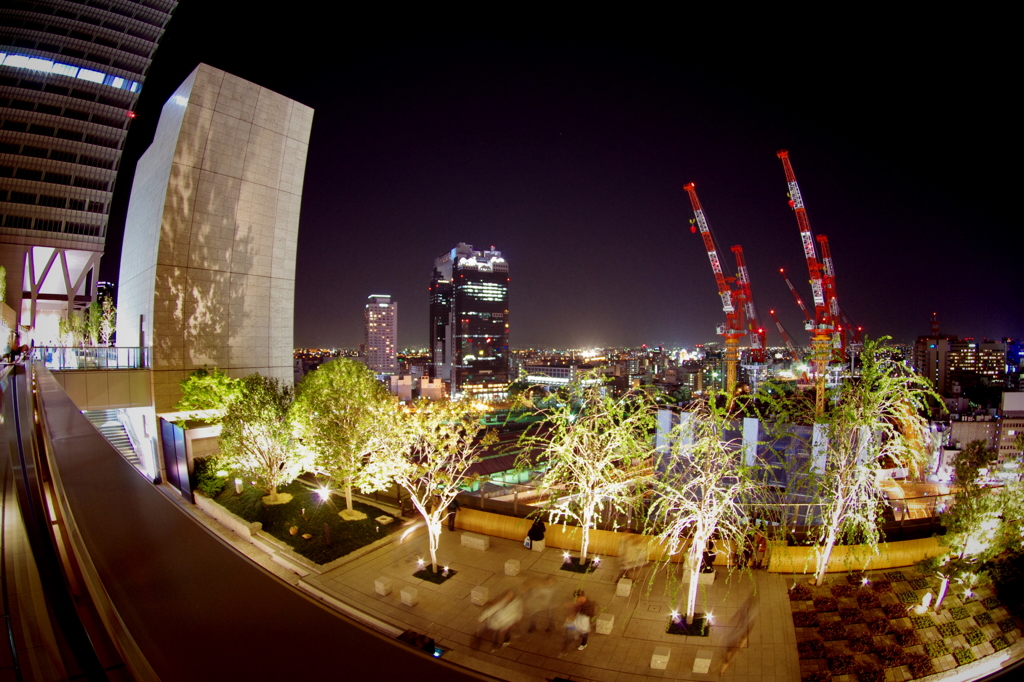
[[60, 358]]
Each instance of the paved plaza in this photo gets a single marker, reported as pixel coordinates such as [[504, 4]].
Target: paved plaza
[[753, 635]]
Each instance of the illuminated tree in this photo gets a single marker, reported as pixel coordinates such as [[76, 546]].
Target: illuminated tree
[[256, 435], [979, 523], [210, 390], [427, 449], [107, 322], [704, 488], [595, 447], [870, 420], [338, 410]]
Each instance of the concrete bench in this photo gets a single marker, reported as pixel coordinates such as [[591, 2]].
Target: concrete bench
[[702, 664], [479, 595], [410, 596], [474, 541], [382, 586], [624, 587], [604, 623], [512, 567], [659, 659]]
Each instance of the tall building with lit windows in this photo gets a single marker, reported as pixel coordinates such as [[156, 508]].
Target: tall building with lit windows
[[469, 322], [70, 75], [382, 334]]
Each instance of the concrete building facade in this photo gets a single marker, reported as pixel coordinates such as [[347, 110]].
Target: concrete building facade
[[70, 75], [208, 262], [382, 334]]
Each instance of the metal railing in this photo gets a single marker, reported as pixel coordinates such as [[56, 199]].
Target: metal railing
[[91, 357]]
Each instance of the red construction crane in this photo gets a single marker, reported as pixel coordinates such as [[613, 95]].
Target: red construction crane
[[785, 337], [796, 295], [732, 330], [824, 323], [758, 343]]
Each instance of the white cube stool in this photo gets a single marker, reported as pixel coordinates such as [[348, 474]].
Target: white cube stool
[[382, 586], [474, 541], [512, 567], [479, 595], [537, 545], [706, 578], [605, 623], [659, 659], [623, 587], [702, 663], [410, 596]]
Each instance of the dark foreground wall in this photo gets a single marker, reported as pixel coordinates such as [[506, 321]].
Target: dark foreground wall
[[196, 608]]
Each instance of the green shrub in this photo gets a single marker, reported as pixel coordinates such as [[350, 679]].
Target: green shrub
[[895, 576], [825, 605], [907, 637], [959, 613], [205, 471], [805, 619], [984, 619], [860, 644], [1000, 643], [936, 649], [949, 629], [990, 603], [812, 648], [921, 622], [919, 584], [920, 665], [974, 637], [908, 597], [799, 593], [881, 586], [1007, 624], [963, 656], [843, 590]]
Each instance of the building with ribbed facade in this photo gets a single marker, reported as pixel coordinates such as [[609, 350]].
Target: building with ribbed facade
[[382, 334], [469, 322], [70, 75], [208, 262]]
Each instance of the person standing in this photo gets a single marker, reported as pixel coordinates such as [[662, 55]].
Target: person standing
[[581, 613], [539, 597]]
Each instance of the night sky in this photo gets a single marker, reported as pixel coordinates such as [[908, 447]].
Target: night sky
[[568, 150]]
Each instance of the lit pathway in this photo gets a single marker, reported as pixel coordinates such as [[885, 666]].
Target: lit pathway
[[445, 612]]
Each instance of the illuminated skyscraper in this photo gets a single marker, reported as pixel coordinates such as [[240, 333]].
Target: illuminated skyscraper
[[70, 74], [469, 322], [381, 334]]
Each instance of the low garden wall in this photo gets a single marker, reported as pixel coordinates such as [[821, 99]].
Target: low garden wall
[[782, 559]]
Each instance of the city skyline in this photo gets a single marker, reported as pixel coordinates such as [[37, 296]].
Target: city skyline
[[570, 156]]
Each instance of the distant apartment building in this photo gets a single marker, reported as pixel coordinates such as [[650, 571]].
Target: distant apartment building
[[381, 334], [469, 322], [70, 75], [953, 364]]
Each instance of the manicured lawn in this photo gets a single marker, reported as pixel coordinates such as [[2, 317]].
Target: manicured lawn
[[309, 514]]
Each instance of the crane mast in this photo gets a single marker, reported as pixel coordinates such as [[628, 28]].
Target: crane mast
[[824, 322], [757, 335], [732, 330]]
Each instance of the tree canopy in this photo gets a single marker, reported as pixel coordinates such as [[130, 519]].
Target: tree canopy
[[256, 435], [208, 389], [339, 409]]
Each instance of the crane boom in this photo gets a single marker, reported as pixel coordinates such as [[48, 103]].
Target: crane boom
[[785, 337], [796, 295], [824, 321], [724, 290], [757, 335], [732, 330]]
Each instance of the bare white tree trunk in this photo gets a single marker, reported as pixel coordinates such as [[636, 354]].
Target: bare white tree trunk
[[824, 554], [434, 537], [348, 493], [696, 552]]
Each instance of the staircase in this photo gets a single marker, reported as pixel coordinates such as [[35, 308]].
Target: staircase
[[107, 424]]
